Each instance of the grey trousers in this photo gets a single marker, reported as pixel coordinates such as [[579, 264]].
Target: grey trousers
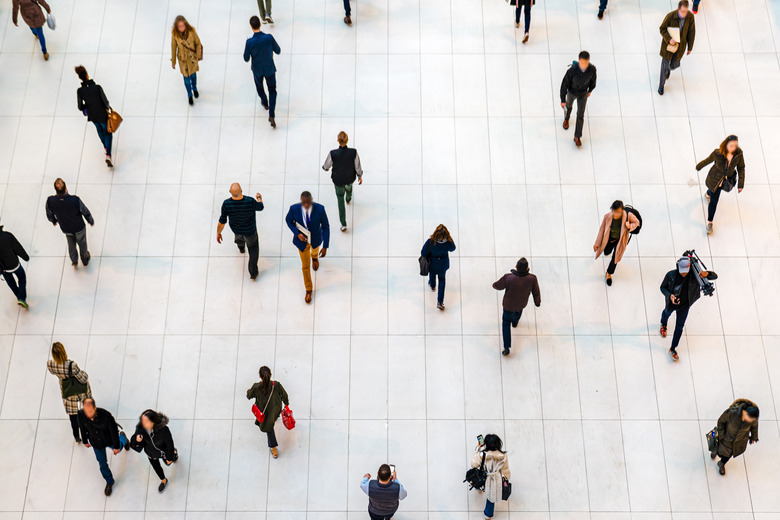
[[265, 8], [581, 102], [79, 239], [666, 68]]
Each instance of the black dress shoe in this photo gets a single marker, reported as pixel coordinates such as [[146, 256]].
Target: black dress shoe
[[609, 282], [601, 15], [161, 487], [108, 490], [196, 93], [661, 90], [191, 101], [505, 352]]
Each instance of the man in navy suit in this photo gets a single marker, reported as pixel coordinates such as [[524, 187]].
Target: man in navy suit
[[312, 218], [261, 48]]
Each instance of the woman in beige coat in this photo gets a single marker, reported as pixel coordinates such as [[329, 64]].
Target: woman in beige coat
[[187, 49], [614, 234], [497, 468]]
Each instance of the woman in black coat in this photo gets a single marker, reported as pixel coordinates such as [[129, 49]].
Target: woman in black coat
[[93, 104], [154, 438], [438, 248], [728, 167]]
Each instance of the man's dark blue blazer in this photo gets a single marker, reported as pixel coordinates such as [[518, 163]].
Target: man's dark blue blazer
[[318, 225], [261, 48]]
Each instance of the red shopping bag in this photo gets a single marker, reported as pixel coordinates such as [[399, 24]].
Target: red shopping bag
[[287, 418]]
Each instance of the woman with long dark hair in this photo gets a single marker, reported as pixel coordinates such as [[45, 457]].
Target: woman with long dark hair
[[187, 49], [727, 171], [497, 468], [154, 438], [437, 249], [269, 396]]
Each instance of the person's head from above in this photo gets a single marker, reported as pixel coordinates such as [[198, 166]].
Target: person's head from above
[[441, 234], [265, 377], [254, 23], [235, 191], [493, 443], [522, 265], [81, 72], [682, 8], [58, 353], [59, 187], [584, 59], [181, 26], [153, 421], [343, 138], [729, 145], [384, 474], [306, 200], [88, 405], [750, 414], [617, 209], [684, 266]]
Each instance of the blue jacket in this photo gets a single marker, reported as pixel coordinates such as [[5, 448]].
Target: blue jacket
[[261, 48], [318, 225], [440, 255]]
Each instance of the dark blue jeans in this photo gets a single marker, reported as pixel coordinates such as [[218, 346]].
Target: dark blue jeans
[[347, 9], [191, 83], [489, 508], [682, 315], [102, 458], [523, 4], [17, 281], [442, 283], [696, 3], [507, 321], [271, 82], [38, 31], [603, 5], [105, 136], [713, 205]]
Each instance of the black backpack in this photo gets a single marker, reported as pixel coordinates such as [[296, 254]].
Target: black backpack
[[477, 477], [632, 210]]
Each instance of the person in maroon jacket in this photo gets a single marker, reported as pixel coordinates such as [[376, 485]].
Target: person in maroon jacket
[[518, 285]]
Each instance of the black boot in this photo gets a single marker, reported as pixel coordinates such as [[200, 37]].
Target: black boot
[[191, 101]]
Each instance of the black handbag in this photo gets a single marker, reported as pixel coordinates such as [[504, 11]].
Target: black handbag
[[71, 386], [506, 489], [425, 262], [729, 183], [712, 440], [477, 477]]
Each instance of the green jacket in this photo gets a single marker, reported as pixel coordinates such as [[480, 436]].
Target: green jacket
[[721, 169], [687, 35], [733, 434], [274, 409]]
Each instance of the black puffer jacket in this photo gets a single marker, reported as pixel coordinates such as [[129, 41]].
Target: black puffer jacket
[[157, 444], [10, 251], [578, 82]]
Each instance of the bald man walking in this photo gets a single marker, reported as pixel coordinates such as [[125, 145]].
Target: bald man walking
[[240, 210]]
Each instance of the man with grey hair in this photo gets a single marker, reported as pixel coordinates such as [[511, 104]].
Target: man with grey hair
[[240, 211]]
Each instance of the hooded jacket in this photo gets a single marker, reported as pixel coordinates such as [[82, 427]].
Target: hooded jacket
[[157, 444], [733, 433], [518, 288]]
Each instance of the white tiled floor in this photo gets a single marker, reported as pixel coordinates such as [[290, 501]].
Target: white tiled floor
[[456, 122]]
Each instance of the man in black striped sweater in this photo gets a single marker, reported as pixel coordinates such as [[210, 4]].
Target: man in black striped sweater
[[240, 211]]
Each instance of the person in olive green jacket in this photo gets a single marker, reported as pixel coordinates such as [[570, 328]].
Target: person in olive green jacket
[[737, 427], [728, 169], [187, 49], [672, 51], [269, 395]]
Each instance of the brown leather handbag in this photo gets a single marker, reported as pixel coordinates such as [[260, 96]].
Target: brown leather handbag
[[114, 120]]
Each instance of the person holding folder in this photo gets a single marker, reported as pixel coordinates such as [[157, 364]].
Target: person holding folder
[[678, 31], [310, 228]]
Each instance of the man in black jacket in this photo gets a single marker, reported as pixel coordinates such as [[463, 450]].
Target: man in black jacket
[[346, 168], [11, 268], [99, 431], [578, 82], [681, 291], [69, 212]]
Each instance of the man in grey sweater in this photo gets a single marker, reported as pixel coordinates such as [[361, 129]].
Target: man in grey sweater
[[518, 285]]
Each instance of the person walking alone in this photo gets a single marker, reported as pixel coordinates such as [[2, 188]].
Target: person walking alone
[[310, 228], [240, 211], [384, 494], [92, 103], [269, 396], [728, 170], [74, 385], [99, 431], [33, 17], [264, 6], [526, 6], [261, 48], [682, 22], [187, 49], [154, 438], [518, 285], [578, 83], [737, 427], [614, 235], [70, 212], [346, 168], [11, 268], [437, 249], [496, 464]]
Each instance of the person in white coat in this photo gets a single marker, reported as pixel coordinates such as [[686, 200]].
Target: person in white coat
[[497, 468]]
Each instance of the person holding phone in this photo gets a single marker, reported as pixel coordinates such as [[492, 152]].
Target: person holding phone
[[154, 438], [728, 169], [496, 463], [384, 493]]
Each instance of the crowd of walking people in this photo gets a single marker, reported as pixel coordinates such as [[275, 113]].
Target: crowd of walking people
[[308, 223]]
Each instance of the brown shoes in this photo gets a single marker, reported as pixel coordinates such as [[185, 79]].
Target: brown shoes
[[565, 124], [577, 141], [525, 38], [308, 297], [348, 20], [46, 56], [272, 121], [315, 264], [275, 453]]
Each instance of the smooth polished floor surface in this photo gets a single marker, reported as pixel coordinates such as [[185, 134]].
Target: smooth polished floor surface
[[457, 122]]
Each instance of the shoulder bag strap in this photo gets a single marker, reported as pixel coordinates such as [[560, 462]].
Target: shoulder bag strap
[[273, 385], [482, 464], [70, 369]]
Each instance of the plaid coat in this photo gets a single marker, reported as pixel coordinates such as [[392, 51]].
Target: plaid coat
[[61, 371]]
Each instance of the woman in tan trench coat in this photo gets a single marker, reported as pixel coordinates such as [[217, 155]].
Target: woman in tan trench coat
[[187, 49], [614, 234]]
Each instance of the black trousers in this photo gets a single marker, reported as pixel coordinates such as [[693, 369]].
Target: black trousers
[[249, 242], [157, 468], [611, 247], [272, 439], [581, 102], [74, 425]]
